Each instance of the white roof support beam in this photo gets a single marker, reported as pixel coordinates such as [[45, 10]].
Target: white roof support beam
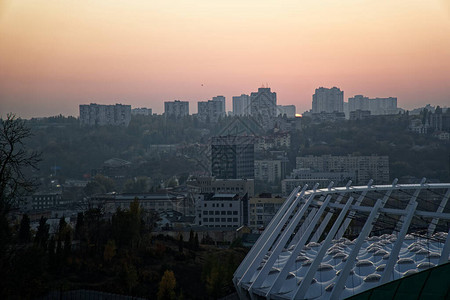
[[347, 221], [440, 209], [271, 238], [367, 228], [285, 235], [393, 256], [412, 200], [306, 282], [446, 250], [327, 219], [269, 230], [298, 248]]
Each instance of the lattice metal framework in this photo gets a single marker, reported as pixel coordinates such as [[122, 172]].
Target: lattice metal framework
[[335, 242]]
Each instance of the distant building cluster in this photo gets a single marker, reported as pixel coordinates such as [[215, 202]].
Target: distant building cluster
[[328, 105], [287, 110], [176, 108], [328, 100], [211, 110], [100, 115], [376, 106], [360, 169], [141, 111]]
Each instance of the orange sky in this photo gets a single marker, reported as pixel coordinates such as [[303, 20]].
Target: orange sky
[[57, 54]]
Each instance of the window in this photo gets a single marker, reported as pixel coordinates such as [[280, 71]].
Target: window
[[211, 219], [235, 219], [223, 212], [223, 219], [235, 212], [217, 219], [222, 204], [217, 212], [231, 205], [205, 219], [206, 205], [229, 212], [205, 212], [229, 220]]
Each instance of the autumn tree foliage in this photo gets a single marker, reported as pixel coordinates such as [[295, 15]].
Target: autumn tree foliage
[[167, 286]]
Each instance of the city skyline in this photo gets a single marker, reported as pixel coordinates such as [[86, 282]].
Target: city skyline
[[55, 56]]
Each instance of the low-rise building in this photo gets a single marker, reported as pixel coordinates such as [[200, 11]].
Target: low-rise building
[[222, 210], [45, 200], [263, 209], [365, 167], [209, 184], [269, 170], [359, 114], [159, 202]]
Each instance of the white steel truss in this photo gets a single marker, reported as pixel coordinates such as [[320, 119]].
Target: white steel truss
[[305, 252]]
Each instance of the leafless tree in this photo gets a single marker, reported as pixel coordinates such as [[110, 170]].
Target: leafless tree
[[14, 160]]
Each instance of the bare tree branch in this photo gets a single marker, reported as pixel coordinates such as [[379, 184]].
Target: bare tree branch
[[14, 159]]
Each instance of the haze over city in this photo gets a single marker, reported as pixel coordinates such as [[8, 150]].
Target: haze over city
[[59, 54]]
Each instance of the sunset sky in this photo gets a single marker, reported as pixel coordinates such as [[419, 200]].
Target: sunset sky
[[57, 54]]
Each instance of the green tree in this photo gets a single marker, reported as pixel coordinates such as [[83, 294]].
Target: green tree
[[137, 185], [166, 290], [42, 234], [130, 276], [110, 250], [24, 231]]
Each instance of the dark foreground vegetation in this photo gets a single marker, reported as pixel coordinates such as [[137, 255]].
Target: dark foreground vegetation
[[118, 256]]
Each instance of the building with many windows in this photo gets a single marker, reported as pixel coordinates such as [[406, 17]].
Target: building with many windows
[[99, 115], [232, 157], [365, 167], [209, 184], [141, 111], [241, 105], [211, 110], [328, 100], [176, 108], [269, 170], [376, 106], [222, 210], [45, 201], [262, 210], [263, 107], [159, 202]]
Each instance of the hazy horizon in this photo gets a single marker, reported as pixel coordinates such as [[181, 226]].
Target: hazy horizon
[[57, 55]]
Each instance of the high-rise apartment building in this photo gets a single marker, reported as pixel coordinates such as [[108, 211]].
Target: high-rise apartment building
[[376, 106], [328, 100], [263, 107], [241, 105], [263, 103], [232, 157], [211, 110], [100, 115], [365, 167], [176, 108]]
